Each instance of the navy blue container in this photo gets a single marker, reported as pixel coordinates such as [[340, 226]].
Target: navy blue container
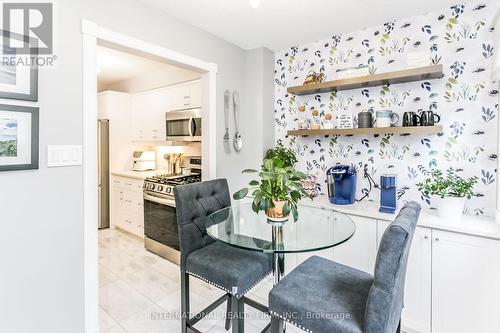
[[341, 181], [388, 200]]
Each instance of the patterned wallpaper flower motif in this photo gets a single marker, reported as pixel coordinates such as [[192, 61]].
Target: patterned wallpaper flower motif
[[460, 38]]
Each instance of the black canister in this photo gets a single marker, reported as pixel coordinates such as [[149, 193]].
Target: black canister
[[365, 119]]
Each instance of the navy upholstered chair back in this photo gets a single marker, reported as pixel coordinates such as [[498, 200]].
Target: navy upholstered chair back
[[385, 300], [194, 203]]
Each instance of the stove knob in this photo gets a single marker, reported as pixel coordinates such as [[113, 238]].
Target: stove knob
[[152, 186], [168, 189], [160, 188]]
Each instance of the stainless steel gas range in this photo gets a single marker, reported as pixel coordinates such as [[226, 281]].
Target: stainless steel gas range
[[160, 220]]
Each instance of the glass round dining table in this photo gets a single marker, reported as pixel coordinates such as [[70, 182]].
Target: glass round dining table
[[316, 229]]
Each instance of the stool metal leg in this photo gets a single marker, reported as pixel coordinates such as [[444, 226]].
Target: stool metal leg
[[277, 325], [237, 315], [228, 314], [184, 302]]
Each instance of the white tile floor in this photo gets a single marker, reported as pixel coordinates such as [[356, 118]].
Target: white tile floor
[[140, 291]]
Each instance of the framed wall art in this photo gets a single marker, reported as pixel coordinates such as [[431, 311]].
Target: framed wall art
[[18, 137], [18, 72]]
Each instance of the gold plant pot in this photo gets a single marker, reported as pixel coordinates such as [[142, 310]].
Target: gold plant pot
[[276, 213]]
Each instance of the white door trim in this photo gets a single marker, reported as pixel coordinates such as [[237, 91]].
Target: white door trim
[[92, 34]]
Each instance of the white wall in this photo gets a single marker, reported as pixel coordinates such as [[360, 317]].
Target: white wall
[[256, 118], [161, 77], [41, 243]]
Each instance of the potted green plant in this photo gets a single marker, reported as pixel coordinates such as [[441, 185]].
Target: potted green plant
[[450, 191], [277, 192], [286, 155]]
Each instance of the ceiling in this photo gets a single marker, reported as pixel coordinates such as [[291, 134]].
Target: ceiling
[[115, 66], [278, 24]]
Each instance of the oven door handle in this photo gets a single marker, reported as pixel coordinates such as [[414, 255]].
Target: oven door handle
[[163, 201]]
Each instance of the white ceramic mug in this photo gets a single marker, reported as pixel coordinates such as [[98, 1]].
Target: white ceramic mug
[[386, 118]]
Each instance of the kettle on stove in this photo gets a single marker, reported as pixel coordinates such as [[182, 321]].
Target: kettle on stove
[[341, 184]]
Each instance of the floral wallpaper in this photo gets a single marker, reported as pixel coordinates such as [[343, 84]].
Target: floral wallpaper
[[461, 39]]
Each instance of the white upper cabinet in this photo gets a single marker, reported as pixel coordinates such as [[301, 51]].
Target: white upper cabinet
[[465, 283], [186, 96], [149, 108], [148, 115]]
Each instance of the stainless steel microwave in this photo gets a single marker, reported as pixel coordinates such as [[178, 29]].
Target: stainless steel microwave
[[183, 125]]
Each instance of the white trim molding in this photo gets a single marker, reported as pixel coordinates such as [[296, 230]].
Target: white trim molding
[[113, 37], [92, 36]]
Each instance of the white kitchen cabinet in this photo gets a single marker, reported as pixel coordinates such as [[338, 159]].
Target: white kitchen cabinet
[[361, 250], [452, 283], [148, 115], [465, 283], [186, 96], [416, 316], [127, 205]]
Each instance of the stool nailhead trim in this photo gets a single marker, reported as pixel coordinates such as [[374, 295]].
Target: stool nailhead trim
[[224, 289], [289, 321]]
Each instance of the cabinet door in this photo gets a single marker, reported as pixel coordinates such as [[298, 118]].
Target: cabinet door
[[418, 290], [195, 95], [139, 118], [148, 115], [181, 97], [359, 251], [465, 283], [116, 198]]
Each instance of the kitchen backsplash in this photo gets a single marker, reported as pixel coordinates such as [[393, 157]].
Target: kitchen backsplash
[[460, 38]]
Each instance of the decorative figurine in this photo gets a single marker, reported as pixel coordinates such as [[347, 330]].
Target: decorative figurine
[[314, 78]]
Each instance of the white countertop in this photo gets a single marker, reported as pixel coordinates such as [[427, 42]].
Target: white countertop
[[469, 224], [365, 208], [141, 175]]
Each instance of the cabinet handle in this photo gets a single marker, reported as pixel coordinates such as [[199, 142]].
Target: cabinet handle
[[426, 237], [437, 239]]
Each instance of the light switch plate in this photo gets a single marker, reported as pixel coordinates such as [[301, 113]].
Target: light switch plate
[[61, 156]]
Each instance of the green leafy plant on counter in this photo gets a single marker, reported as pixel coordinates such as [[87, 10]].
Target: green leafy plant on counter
[[278, 190], [448, 184], [286, 155]]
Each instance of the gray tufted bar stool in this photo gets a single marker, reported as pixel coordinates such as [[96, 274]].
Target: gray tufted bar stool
[[323, 296], [230, 269]]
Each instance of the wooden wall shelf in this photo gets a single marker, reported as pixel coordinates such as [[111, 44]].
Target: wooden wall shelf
[[364, 131], [403, 76]]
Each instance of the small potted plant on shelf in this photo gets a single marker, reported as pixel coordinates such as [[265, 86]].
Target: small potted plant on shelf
[[278, 191], [450, 190], [286, 155]]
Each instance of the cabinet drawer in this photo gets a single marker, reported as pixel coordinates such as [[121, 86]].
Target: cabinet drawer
[[132, 223], [128, 183], [129, 200]]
